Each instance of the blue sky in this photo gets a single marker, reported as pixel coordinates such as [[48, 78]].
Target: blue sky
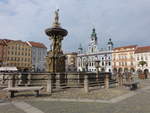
[[125, 21]]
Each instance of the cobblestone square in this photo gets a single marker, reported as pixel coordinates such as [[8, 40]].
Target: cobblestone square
[[137, 102]]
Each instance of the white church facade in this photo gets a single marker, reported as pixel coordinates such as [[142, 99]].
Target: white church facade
[[86, 60]]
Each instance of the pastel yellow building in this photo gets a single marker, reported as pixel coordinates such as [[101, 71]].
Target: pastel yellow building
[[19, 55]]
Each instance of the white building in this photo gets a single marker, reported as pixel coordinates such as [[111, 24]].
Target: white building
[[143, 54], [39, 52], [86, 60]]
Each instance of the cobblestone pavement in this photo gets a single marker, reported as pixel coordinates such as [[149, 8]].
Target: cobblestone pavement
[[9, 108], [139, 103]]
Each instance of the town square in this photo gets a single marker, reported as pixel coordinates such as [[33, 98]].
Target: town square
[[74, 56]]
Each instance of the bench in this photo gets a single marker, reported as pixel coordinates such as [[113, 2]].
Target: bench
[[14, 90], [132, 85]]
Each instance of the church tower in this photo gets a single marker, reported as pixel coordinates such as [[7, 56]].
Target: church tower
[[110, 44], [93, 45], [80, 49]]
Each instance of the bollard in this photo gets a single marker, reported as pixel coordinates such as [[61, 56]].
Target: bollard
[[106, 81], [3, 79], [49, 84], [78, 78], [10, 81], [29, 79], [58, 81], [86, 87]]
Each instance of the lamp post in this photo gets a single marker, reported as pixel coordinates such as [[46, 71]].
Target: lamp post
[[97, 68], [86, 64], [105, 62]]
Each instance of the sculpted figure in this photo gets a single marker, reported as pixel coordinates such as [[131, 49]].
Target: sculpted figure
[[56, 16]]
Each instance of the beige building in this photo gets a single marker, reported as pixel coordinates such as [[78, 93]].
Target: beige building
[[71, 62], [123, 58], [18, 55], [143, 54]]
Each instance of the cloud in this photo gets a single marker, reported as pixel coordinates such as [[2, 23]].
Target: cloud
[[125, 21]]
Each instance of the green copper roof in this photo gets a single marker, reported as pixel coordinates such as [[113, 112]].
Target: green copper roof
[[93, 33], [80, 47]]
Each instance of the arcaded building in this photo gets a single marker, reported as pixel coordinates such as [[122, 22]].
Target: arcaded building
[[123, 58], [142, 54]]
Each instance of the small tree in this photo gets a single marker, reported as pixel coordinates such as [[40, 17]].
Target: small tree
[[142, 63]]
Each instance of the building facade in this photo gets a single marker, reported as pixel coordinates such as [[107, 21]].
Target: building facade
[[123, 58], [86, 60], [18, 55], [143, 54], [3, 52], [39, 53], [71, 62]]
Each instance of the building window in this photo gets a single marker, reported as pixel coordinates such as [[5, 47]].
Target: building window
[[141, 57], [137, 57], [145, 57], [102, 63], [119, 63]]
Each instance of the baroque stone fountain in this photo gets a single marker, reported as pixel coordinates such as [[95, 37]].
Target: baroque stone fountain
[[55, 58]]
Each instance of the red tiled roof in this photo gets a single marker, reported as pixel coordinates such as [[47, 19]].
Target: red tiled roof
[[4, 41], [8, 40], [143, 49], [124, 47], [37, 44]]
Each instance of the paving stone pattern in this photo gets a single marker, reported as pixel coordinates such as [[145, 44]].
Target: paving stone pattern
[[136, 103], [9, 108], [139, 103]]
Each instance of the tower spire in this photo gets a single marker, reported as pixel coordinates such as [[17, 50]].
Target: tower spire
[[93, 45], [110, 44], [93, 33]]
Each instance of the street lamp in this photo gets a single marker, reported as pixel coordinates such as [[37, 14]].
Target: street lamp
[[97, 68], [105, 62], [86, 64]]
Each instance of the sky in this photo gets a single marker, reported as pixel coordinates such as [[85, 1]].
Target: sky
[[126, 22]]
